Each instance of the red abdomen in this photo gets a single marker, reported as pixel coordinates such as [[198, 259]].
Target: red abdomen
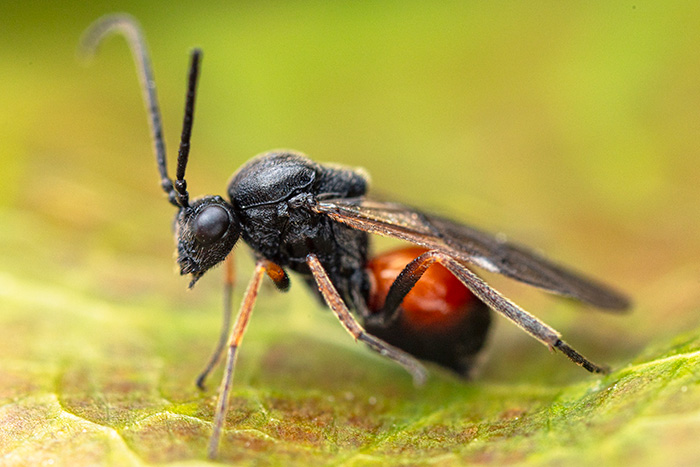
[[439, 320], [438, 298]]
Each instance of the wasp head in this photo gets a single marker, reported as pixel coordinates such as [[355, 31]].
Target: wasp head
[[206, 232]]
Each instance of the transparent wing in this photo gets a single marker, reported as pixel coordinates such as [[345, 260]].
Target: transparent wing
[[469, 246]]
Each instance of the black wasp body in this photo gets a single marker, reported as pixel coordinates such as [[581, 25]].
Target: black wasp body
[[271, 208], [274, 195], [314, 220]]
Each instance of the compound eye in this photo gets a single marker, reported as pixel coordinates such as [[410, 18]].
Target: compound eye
[[211, 224]]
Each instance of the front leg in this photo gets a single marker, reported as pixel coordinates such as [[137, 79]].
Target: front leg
[[279, 277], [229, 277]]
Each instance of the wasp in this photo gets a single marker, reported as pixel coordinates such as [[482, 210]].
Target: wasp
[[421, 302]]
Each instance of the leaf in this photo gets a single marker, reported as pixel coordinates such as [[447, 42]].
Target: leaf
[[115, 396]]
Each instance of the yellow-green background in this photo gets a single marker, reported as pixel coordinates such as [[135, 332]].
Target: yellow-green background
[[571, 126]]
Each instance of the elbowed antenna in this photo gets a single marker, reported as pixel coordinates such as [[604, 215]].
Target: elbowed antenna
[[184, 152], [129, 27]]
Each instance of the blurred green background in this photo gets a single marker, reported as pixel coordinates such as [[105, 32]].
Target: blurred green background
[[573, 127]]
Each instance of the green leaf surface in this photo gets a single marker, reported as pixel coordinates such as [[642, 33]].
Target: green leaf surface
[[572, 128], [303, 401]]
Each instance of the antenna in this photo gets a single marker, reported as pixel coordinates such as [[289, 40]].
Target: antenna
[[131, 30], [183, 154]]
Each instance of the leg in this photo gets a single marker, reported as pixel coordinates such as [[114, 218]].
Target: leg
[[335, 302], [229, 276], [278, 275], [402, 285], [239, 328], [497, 302], [281, 280]]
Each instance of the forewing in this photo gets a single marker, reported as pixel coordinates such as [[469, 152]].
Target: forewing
[[469, 246]]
